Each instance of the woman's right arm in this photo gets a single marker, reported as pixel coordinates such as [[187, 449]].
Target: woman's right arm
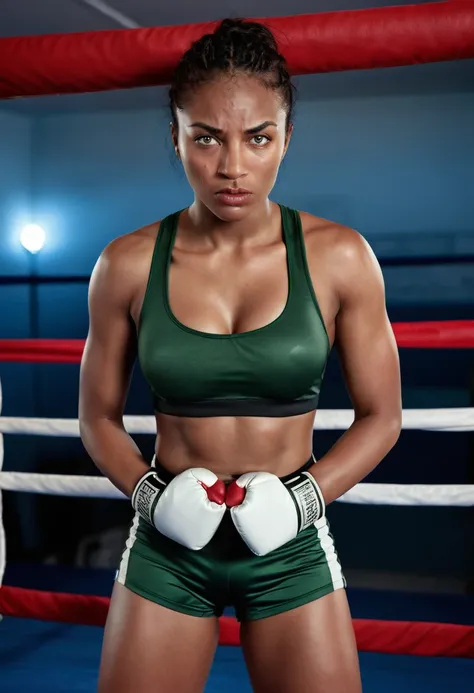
[[106, 369]]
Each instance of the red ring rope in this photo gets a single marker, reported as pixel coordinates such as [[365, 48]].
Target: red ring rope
[[324, 42], [388, 637], [451, 334]]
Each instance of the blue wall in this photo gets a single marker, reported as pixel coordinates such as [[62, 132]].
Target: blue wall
[[396, 166], [97, 176], [393, 165], [15, 188], [15, 211]]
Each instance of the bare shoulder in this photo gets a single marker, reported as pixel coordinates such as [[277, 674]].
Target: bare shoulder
[[124, 251], [127, 255], [123, 266], [342, 249], [340, 241]]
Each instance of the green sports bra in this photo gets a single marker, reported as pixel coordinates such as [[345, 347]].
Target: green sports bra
[[275, 370]]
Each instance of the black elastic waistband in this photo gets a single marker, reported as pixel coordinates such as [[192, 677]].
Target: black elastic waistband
[[167, 476], [237, 407]]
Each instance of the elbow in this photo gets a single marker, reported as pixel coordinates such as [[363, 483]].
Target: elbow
[[86, 426], [396, 427], [83, 423], [83, 414], [392, 425], [387, 425], [85, 419], [90, 423]]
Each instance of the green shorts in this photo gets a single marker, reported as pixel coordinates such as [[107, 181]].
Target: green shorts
[[226, 573]]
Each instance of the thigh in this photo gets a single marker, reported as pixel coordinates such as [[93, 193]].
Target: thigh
[[310, 649], [148, 647]]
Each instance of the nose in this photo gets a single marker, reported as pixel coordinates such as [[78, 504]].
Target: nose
[[231, 163]]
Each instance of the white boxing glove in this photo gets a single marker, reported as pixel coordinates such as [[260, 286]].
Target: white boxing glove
[[188, 510], [268, 512]]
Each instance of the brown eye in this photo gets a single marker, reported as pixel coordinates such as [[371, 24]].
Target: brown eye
[[206, 140], [260, 140]]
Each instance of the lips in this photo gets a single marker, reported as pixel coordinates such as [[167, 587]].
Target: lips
[[234, 191], [233, 197]]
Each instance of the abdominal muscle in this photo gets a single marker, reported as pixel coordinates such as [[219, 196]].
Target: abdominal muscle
[[231, 446]]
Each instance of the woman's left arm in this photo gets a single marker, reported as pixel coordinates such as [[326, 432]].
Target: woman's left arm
[[369, 358]]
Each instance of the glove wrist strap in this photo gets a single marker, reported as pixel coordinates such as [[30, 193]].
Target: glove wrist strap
[[146, 495], [308, 499]]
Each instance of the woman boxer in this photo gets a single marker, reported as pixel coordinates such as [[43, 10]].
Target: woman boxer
[[232, 307]]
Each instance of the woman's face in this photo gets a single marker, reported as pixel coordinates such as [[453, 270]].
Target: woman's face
[[231, 139]]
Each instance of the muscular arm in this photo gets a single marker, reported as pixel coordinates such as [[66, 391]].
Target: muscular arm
[[369, 358], [106, 369]]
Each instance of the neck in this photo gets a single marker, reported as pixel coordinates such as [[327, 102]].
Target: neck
[[246, 231]]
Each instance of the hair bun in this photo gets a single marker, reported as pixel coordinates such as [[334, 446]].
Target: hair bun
[[242, 29]]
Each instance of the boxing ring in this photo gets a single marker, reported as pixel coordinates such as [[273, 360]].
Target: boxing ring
[[100, 61]]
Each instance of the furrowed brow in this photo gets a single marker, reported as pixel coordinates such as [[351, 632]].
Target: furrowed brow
[[259, 128], [209, 128]]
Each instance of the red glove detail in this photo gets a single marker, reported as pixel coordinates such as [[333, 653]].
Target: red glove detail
[[216, 492], [235, 495]]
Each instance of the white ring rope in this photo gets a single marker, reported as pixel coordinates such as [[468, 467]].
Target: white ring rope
[[460, 419], [409, 494], [364, 493], [3, 550], [455, 419], [60, 485]]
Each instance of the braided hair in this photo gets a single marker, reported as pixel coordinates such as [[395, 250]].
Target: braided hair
[[235, 46]]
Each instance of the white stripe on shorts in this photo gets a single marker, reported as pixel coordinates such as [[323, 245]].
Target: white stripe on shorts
[[121, 575], [327, 545], [122, 571]]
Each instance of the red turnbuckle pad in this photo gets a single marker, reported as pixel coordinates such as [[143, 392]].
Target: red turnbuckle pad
[[235, 495], [216, 492]]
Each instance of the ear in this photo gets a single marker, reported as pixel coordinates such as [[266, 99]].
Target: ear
[[174, 137], [287, 140]]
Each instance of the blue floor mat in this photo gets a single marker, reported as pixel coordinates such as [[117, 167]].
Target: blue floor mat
[[41, 657]]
